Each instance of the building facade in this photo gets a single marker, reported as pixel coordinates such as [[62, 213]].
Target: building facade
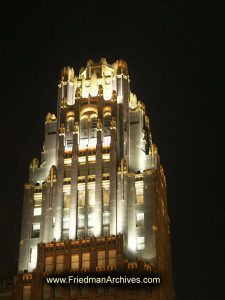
[[99, 176]]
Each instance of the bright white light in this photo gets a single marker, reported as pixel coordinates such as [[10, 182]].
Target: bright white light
[[72, 229], [81, 221], [132, 242], [33, 258], [140, 219], [119, 219], [142, 160], [36, 226], [140, 243], [68, 147], [92, 142], [57, 231], [90, 220], [83, 143], [107, 91], [96, 223], [106, 218], [106, 140], [66, 222], [37, 211]]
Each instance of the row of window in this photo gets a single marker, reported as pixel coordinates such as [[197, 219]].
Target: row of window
[[81, 219], [78, 261], [106, 220], [81, 223], [48, 290], [140, 240], [91, 199], [37, 203], [88, 131], [91, 196], [81, 200], [88, 126], [83, 152], [91, 142]]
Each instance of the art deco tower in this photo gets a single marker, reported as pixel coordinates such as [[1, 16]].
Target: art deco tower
[[100, 173]]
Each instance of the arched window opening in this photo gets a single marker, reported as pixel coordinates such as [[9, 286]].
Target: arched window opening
[[88, 127], [70, 123], [69, 129], [84, 127], [107, 123], [93, 126]]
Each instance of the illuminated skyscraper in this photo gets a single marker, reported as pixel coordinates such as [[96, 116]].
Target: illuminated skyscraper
[[99, 175]]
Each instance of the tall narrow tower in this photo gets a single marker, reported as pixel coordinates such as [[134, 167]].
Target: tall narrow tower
[[99, 175]]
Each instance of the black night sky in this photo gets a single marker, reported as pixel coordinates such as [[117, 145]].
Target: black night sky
[[174, 60]]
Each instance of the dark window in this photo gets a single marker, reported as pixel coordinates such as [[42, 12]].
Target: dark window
[[35, 230]]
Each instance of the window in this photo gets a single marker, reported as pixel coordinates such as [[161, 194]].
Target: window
[[86, 260], [75, 262], [90, 220], [93, 126], [140, 219], [92, 142], [58, 291], [101, 258], [59, 263], [69, 135], [37, 211], [100, 290], [107, 124], [48, 264], [83, 143], [80, 234], [81, 198], [47, 293], [84, 291], [53, 223], [69, 141], [111, 290], [91, 197], [65, 228], [105, 195], [80, 221], [106, 140], [84, 127], [66, 200], [73, 290], [35, 230], [66, 222], [69, 126], [33, 257], [91, 232], [26, 292], [105, 231], [140, 243], [139, 195], [112, 257], [106, 218], [67, 173], [37, 204]]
